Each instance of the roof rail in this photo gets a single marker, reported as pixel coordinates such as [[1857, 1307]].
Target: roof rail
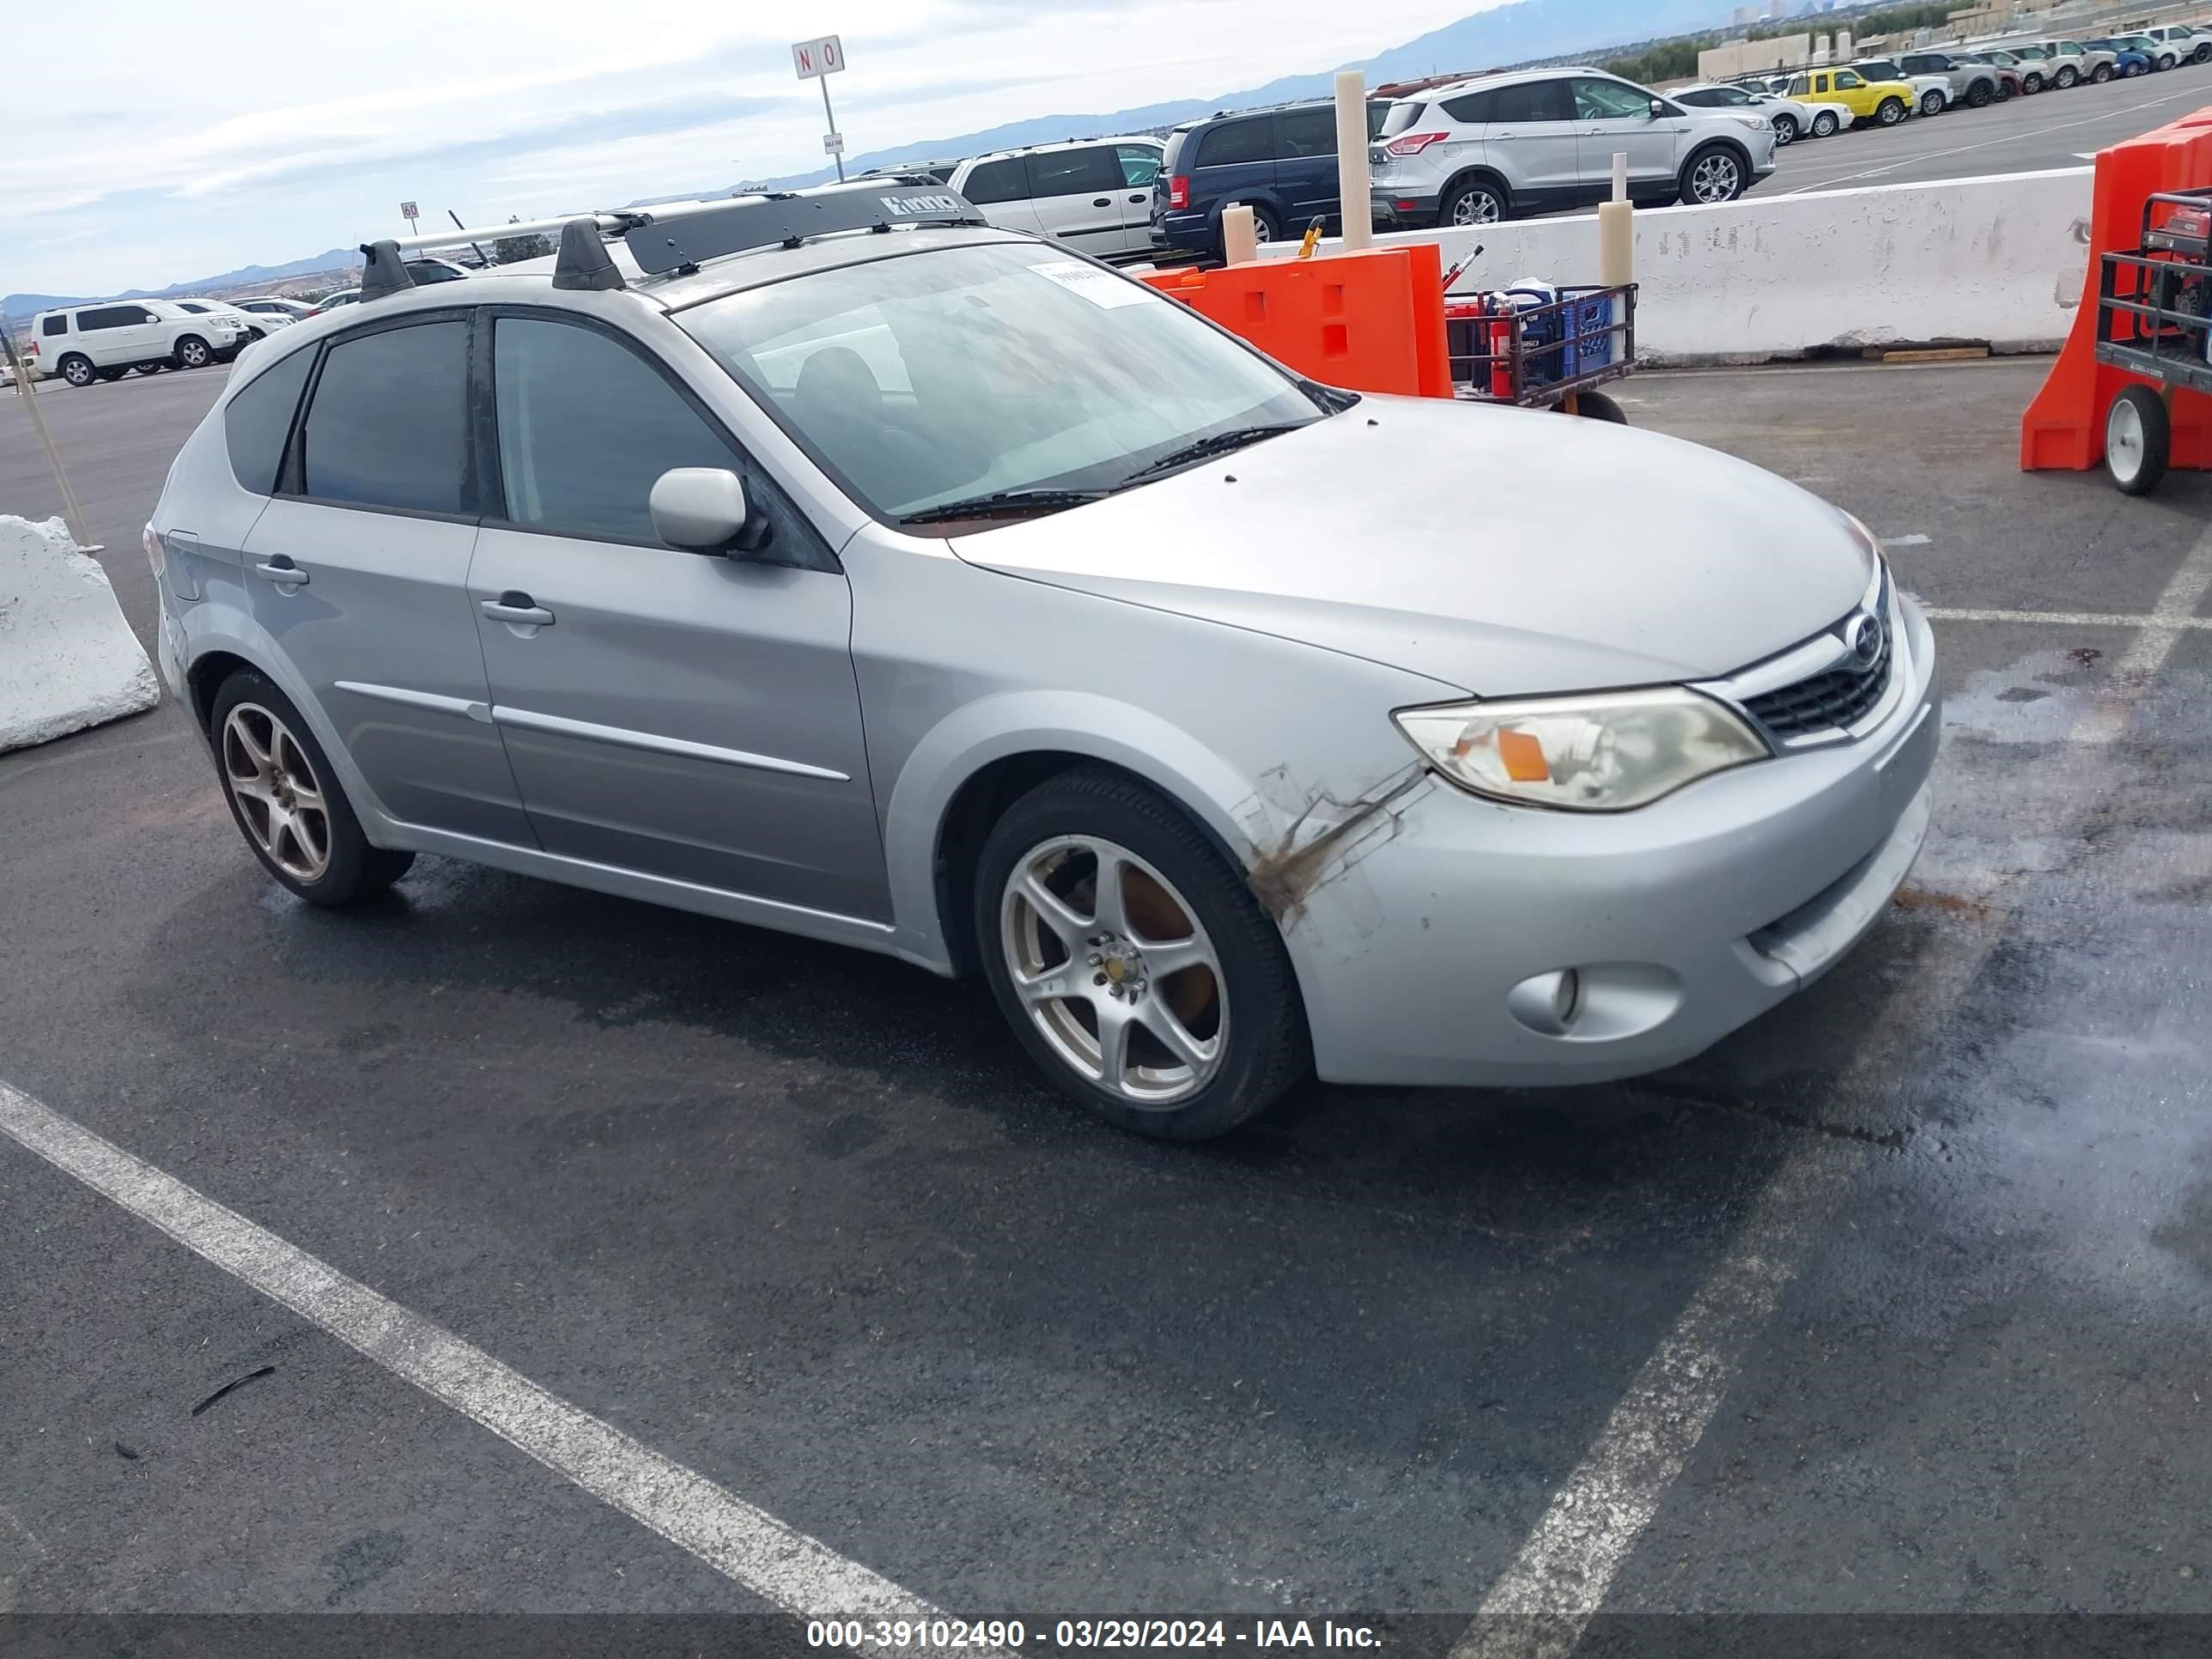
[[681, 237]]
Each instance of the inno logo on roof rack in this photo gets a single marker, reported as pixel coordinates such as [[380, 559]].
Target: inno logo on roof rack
[[923, 207]]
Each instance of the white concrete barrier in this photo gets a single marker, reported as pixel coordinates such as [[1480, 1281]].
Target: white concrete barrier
[[67, 657], [1997, 260]]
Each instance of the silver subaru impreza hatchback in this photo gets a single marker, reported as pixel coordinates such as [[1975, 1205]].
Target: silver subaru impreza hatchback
[[840, 564]]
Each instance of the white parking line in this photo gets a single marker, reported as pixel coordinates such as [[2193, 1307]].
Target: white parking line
[[1993, 143], [2062, 618], [786, 1567], [1540, 1605]]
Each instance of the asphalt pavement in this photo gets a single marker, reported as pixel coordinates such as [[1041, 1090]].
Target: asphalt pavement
[[1897, 1302], [2023, 135]]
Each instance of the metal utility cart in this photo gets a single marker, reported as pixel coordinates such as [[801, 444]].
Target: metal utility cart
[[1549, 348], [2154, 320]]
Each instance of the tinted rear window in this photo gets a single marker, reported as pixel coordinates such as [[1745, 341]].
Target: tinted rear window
[[1306, 131], [1074, 172], [256, 422], [1400, 118], [388, 426], [1234, 141], [54, 325], [997, 181], [1170, 156]]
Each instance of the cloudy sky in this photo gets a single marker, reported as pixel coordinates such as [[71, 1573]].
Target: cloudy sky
[[193, 140]]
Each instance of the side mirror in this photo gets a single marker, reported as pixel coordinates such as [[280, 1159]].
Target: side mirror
[[1658, 108], [703, 509]]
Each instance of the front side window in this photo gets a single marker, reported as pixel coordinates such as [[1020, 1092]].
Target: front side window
[[388, 424], [927, 379], [585, 427], [1140, 163], [257, 421], [1307, 132], [996, 181], [1610, 100], [1846, 82], [1074, 172], [1233, 142]]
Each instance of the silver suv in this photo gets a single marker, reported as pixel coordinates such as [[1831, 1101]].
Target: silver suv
[[934, 591], [1502, 146]]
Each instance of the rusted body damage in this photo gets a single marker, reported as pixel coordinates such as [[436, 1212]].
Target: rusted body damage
[[1328, 836]]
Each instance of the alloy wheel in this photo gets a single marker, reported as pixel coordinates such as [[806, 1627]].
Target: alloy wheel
[[77, 372], [1476, 207], [194, 354], [1715, 179], [1114, 969], [280, 799]]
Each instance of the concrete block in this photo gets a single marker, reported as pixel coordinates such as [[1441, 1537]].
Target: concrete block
[[68, 660]]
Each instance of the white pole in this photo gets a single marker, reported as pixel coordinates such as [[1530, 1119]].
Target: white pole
[[1352, 189], [1616, 231], [1238, 245]]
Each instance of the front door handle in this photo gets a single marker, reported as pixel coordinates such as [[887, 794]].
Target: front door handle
[[1141, 196], [513, 607], [1101, 201], [282, 571]]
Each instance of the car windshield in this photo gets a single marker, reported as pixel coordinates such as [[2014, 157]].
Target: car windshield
[[996, 369]]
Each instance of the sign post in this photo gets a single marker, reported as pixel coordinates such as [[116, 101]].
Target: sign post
[[818, 60]]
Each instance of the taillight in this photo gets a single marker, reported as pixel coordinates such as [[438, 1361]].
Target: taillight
[[34, 347], [1179, 191], [1414, 143], [156, 554]]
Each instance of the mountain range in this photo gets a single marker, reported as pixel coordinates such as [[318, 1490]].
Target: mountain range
[[1521, 32]]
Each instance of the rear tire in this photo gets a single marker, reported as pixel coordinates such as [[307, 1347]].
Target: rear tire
[[76, 369], [1890, 112], [192, 352], [2101, 74], [2067, 77], [151, 366], [1235, 1004], [2032, 83], [2138, 440], [286, 799], [1597, 406], [1825, 124], [1979, 95], [1933, 102], [1474, 202], [112, 373]]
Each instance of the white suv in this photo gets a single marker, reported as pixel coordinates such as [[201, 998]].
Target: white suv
[[1095, 194], [1534, 141], [85, 343]]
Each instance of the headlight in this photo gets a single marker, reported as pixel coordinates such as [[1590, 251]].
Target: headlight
[[1756, 123], [1606, 752]]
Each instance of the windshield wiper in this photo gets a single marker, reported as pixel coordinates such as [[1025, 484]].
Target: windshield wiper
[[1219, 444], [1003, 501]]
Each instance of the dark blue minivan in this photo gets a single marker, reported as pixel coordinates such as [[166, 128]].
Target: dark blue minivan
[[1279, 162]]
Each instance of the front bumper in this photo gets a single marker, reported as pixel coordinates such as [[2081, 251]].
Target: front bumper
[[1686, 919]]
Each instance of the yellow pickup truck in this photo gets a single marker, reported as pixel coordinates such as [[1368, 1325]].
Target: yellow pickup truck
[[1884, 103]]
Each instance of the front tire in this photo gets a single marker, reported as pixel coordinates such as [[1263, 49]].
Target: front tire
[[76, 369], [1785, 130], [2101, 74], [1825, 124], [2138, 440], [1891, 113], [286, 800], [1932, 102], [2032, 83], [192, 352], [1132, 961], [1979, 95], [1712, 176], [1597, 406], [2066, 77], [1475, 201]]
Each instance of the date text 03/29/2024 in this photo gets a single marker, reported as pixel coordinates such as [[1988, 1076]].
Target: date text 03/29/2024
[[1003, 1634]]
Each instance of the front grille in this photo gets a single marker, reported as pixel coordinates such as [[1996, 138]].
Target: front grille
[[1829, 701]]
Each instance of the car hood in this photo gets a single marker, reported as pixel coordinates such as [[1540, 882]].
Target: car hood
[[1501, 550]]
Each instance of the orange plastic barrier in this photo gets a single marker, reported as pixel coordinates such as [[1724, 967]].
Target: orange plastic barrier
[[1369, 321], [2065, 426]]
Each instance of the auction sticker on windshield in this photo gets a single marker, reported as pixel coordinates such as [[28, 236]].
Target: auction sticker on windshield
[[1101, 287]]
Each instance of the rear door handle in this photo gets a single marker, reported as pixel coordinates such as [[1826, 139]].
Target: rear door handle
[[1101, 201], [520, 608], [1140, 197], [282, 571]]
